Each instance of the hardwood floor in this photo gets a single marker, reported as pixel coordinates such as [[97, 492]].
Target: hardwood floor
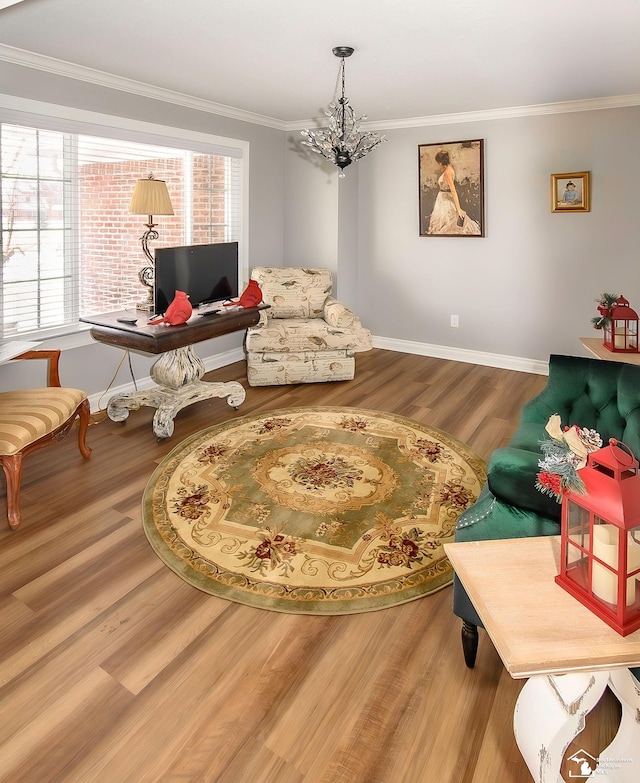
[[113, 669]]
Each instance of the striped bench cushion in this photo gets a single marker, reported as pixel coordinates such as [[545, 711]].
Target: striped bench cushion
[[27, 415]]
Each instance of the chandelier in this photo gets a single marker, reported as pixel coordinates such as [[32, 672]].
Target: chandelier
[[344, 141]]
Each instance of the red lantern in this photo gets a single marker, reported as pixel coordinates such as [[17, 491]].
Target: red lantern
[[621, 332], [600, 538]]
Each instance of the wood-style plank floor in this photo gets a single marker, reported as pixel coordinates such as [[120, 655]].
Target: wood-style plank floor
[[112, 669]]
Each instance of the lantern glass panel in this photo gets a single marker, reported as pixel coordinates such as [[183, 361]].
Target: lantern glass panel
[[620, 332], [576, 567], [633, 568], [604, 575]]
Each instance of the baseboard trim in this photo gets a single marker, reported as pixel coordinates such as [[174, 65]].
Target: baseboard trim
[[218, 360], [501, 361], [213, 362]]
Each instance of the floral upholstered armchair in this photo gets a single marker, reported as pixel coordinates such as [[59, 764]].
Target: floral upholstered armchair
[[306, 335]]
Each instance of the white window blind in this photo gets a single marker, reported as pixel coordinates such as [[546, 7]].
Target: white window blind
[[68, 243]]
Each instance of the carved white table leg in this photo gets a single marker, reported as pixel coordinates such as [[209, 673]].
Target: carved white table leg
[[178, 375], [621, 759], [550, 713]]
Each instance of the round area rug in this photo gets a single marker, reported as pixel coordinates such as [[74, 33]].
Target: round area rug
[[312, 510]]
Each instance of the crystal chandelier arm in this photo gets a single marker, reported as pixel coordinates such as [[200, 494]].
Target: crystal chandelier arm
[[342, 142]]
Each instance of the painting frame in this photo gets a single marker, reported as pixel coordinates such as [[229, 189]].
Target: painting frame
[[447, 212], [571, 192]]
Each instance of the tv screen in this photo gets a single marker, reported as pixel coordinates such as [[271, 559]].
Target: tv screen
[[207, 273]]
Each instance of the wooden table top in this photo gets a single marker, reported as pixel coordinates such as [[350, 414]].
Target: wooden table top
[[535, 625], [140, 336], [594, 346]]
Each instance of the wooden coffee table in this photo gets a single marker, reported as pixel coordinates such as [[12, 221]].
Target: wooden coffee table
[[569, 655]]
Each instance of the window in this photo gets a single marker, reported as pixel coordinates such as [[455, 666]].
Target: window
[[68, 243]]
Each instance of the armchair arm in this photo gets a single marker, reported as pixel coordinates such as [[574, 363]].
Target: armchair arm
[[264, 320], [52, 356]]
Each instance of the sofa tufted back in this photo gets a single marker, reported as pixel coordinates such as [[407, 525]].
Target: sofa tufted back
[[601, 395]]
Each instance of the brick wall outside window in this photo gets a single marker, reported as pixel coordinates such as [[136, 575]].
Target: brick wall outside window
[[111, 252]]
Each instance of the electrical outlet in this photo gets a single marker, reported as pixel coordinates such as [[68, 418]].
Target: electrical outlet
[[455, 323]]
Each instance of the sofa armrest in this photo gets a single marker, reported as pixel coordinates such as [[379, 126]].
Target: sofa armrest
[[52, 357], [338, 315], [511, 477]]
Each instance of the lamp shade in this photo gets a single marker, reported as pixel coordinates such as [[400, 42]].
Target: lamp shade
[[150, 197]]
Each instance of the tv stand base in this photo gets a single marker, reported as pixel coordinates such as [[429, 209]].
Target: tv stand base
[[178, 374]]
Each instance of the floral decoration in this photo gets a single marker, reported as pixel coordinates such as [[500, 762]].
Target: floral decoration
[[565, 452], [605, 303]]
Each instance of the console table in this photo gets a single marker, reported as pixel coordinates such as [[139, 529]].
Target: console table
[[178, 370], [569, 655]]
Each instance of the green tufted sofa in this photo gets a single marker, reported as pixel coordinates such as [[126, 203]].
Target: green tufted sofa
[[602, 395]]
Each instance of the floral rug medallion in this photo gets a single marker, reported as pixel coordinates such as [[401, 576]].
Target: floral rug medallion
[[312, 510]]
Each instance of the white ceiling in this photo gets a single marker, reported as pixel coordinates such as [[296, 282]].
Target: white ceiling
[[413, 58]]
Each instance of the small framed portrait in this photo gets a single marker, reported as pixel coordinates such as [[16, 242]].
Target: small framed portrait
[[451, 189], [570, 192]]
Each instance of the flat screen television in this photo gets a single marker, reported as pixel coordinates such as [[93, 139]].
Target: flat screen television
[[207, 273]]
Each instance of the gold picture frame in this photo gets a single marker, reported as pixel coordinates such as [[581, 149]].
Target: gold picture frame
[[570, 192]]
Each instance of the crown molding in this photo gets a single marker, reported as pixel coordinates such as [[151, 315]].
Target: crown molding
[[40, 62], [537, 110], [16, 56]]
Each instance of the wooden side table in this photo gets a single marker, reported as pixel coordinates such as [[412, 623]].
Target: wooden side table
[[569, 655], [596, 348], [178, 370]]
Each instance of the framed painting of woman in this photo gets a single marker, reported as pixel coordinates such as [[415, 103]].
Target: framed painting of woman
[[451, 189]]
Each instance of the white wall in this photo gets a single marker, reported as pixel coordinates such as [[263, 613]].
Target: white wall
[[525, 290], [91, 367]]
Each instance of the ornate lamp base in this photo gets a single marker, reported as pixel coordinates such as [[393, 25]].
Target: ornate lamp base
[[146, 276]]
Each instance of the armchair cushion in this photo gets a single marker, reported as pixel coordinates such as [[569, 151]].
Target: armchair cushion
[[30, 414], [31, 419], [305, 334]]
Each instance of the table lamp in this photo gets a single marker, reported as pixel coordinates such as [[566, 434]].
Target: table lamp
[[150, 197]]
